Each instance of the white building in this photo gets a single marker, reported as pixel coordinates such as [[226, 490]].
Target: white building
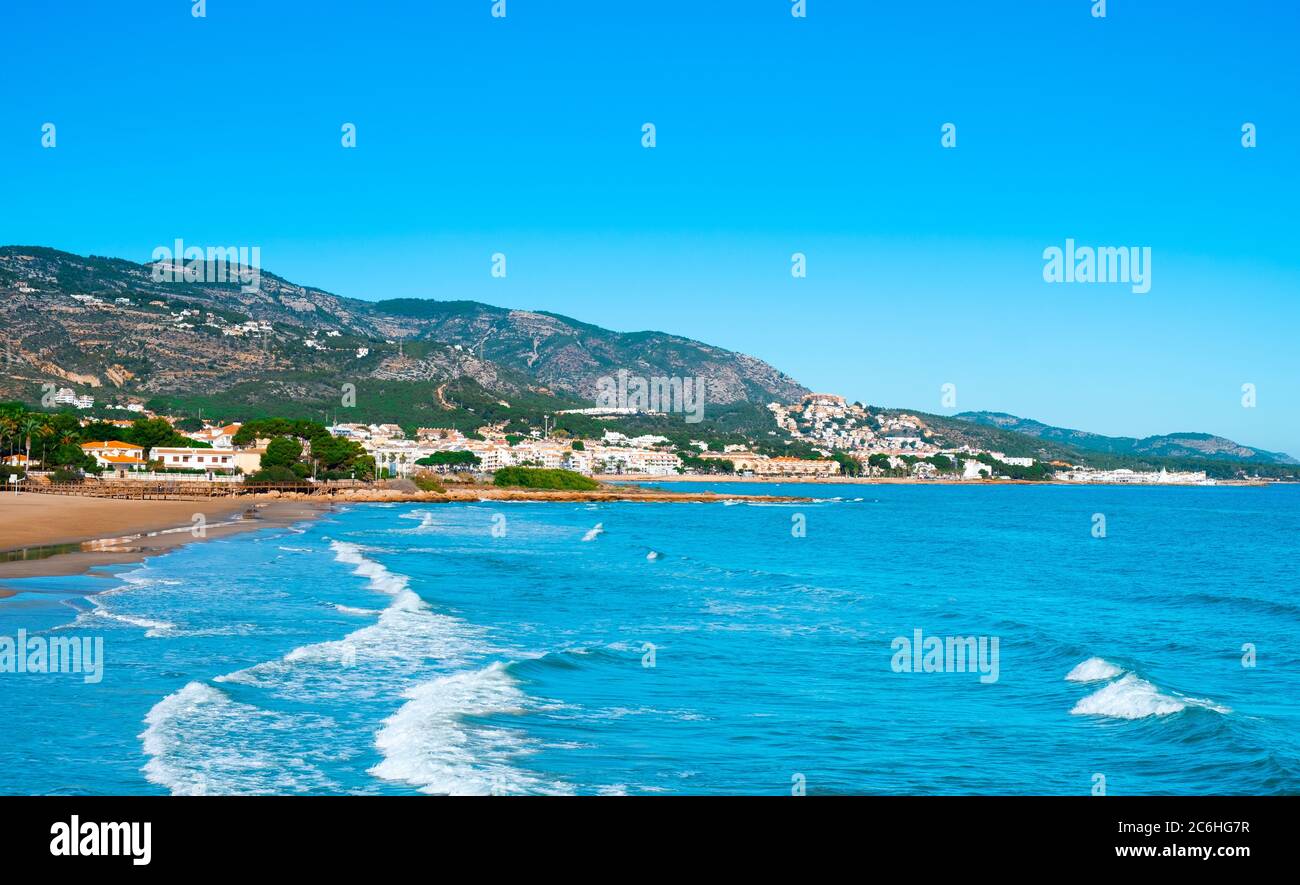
[[217, 437], [115, 455], [211, 460], [65, 396]]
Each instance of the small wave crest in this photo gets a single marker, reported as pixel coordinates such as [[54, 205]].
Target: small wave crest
[[428, 744], [1132, 697], [1093, 670]]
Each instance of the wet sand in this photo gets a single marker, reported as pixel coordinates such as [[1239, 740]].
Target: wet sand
[[43, 535]]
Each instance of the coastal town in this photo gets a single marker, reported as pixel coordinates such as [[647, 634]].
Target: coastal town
[[839, 440]]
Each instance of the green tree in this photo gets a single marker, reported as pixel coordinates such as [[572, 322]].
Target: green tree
[[451, 459], [848, 464], [28, 428], [334, 454], [283, 451], [149, 433]]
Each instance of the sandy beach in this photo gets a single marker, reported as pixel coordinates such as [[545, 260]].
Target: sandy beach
[[86, 532]]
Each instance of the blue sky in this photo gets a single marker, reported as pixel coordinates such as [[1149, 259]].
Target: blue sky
[[819, 135]]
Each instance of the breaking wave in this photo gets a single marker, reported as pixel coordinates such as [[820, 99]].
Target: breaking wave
[[1130, 696], [1093, 670]]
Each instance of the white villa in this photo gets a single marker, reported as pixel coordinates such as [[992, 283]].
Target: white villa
[[217, 437], [213, 460], [116, 455]]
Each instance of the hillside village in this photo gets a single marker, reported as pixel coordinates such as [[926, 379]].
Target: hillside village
[[842, 440]]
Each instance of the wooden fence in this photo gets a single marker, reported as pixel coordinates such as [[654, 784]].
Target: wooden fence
[[175, 491]]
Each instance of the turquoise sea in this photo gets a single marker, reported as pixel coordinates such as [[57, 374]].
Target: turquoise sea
[[688, 648]]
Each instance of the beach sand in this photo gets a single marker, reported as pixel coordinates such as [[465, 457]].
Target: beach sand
[[108, 531]]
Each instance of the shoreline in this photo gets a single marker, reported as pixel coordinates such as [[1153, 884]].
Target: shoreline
[[112, 531], [109, 531], [103, 531]]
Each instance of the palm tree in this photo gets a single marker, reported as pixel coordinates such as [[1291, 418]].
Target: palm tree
[[8, 429], [45, 433], [30, 426]]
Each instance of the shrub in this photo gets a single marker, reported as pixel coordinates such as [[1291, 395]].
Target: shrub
[[426, 483], [274, 474], [541, 478], [66, 477]]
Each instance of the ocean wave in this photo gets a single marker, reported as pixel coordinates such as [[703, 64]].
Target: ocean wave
[[152, 628], [380, 577], [1093, 670], [383, 657], [353, 610], [576, 659], [200, 741], [428, 745], [1132, 697], [425, 518]]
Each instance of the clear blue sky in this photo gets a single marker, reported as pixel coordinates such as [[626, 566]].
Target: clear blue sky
[[775, 135]]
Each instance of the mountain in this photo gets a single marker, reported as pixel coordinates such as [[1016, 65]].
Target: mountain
[[107, 327], [1172, 445], [105, 324]]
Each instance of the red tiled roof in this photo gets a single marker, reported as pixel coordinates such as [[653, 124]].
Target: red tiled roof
[[112, 444]]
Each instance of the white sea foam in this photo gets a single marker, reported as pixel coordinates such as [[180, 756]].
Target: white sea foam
[[202, 742], [152, 628], [425, 518], [594, 533], [353, 610], [200, 739], [1093, 670], [381, 578], [428, 745], [407, 639], [1132, 697]]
